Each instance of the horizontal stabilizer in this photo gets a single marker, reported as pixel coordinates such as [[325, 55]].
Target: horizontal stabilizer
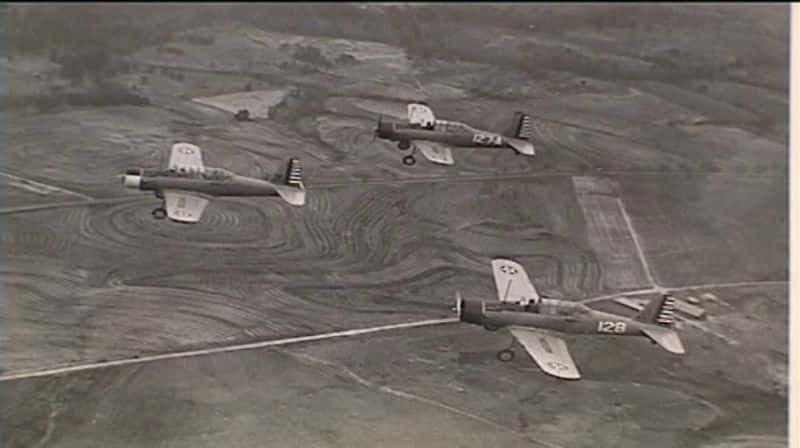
[[667, 338], [521, 146], [292, 195]]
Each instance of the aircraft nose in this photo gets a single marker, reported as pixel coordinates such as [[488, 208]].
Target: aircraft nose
[[133, 182], [383, 129], [456, 308]]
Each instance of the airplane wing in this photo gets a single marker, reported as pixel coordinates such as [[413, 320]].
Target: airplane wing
[[512, 282], [550, 352], [186, 157], [435, 152], [420, 114], [184, 207]]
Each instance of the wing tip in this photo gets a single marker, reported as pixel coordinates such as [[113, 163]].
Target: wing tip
[[572, 376], [505, 261]]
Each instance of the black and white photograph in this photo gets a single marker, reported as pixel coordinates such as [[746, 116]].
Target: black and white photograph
[[362, 225]]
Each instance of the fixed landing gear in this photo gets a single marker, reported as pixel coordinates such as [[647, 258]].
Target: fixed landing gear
[[159, 213], [505, 355], [409, 159]]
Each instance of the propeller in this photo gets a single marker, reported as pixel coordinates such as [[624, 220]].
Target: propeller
[[457, 307], [262, 173], [374, 133]]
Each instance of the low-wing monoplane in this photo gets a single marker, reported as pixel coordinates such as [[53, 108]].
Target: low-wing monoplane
[[186, 185], [535, 321], [435, 138]]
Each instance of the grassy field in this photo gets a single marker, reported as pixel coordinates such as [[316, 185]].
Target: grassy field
[[677, 116]]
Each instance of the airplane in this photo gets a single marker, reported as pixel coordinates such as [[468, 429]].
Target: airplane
[[186, 185], [536, 321], [435, 138]]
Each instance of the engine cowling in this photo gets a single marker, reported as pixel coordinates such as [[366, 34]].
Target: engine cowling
[[132, 181], [472, 311]]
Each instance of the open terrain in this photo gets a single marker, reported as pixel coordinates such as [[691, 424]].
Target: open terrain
[[661, 162]]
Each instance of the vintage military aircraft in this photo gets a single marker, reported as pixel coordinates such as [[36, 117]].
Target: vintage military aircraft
[[532, 320], [186, 184], [435, 138]]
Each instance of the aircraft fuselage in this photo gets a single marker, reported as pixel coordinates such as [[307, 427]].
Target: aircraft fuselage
[[560, 316], [229, 185], [457, 137]]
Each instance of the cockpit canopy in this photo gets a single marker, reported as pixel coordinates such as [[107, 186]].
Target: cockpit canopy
[[562, 307], [206, 173], [452, 127], [216, 174]]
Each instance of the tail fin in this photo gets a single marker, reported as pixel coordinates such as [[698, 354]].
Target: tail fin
[[293, 176], [292, 191], [521, 127], [660, 314], [659, 311]]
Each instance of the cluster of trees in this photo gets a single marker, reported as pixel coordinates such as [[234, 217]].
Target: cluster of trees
[[103, 94], [456, 31], [90, 41]]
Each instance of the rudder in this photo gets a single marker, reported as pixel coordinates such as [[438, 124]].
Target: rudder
[[291, 187], [293, 176], [521, 126], [660, 311]]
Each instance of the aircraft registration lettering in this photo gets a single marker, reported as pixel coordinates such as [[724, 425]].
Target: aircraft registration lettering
[[486, 139], [609, 326]]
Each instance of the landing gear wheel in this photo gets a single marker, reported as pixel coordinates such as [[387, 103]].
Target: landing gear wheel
[[409, 160], [403, 145], [159, 213], [505, 355]]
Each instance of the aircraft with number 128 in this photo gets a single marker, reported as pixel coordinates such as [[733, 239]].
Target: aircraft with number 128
[[435, 138], [535, 321], [186, 185]]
